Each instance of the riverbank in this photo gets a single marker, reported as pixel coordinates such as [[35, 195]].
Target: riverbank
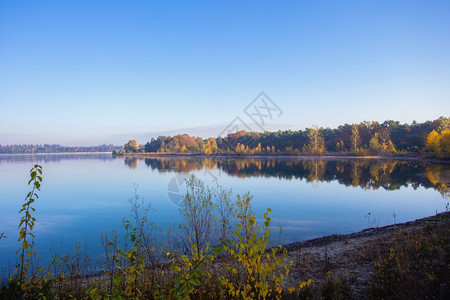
[[405, 261]]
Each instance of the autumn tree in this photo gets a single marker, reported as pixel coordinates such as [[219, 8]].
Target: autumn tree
[[381, 142], [433, 141], [131, 147], [439, 143], [355, 138], [374, 145], [210, 147], [316, 142], [340, 146], [445, 143]]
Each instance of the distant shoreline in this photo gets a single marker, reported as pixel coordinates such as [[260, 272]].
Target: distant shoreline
[[55, 153]]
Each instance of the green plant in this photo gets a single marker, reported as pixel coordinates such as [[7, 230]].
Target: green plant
[[27, 277], [133, 269], [257, 272], [190, 273], [197, 215]]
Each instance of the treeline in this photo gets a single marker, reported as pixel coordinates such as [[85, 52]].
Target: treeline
[[431, 138], [54, 148]]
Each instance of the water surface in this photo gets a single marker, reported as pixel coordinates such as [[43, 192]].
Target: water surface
[[85, 194]]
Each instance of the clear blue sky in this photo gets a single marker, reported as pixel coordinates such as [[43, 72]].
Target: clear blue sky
[[89, 72]]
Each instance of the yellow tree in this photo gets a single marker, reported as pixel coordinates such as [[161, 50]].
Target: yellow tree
[[381, 142], [316, 142], [433, 141], [355, 138], [258, 148], [131, 146], [445, 143]]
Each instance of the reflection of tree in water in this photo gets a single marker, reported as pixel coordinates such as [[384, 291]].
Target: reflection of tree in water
[[356, 172], [381, 174], [178, 164], [365, 173], [440, 178], [316, 170], [131, 162]]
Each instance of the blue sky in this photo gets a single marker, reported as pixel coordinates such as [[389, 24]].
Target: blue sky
[[90, 72]]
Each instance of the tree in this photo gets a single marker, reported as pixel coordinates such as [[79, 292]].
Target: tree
[[439, 144], [445, 143], [316, 142], [384, 135], [209, 147], [433, 141], [355, 138], [381, 142], [340, 147], [373, 144], [131, 147]]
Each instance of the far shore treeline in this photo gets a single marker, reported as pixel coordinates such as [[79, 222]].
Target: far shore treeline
[[430, 139], [55, 148]]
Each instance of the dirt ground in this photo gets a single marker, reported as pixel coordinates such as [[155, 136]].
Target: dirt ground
[[352, 257]]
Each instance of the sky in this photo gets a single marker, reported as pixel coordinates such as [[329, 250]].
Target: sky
[[94, 72]]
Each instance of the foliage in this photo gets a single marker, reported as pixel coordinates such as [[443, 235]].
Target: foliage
[[316, 142], [381, 142], [438, 142], [131, 147], [197, 215], [28, 273], [254, 272], [389, 137], [355, 138]]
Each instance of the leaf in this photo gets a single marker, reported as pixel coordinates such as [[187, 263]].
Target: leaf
[[175, 267], [21, 234], [117, 279], [24, 245]]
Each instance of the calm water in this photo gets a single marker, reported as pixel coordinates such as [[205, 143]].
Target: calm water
[[83, 195]]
